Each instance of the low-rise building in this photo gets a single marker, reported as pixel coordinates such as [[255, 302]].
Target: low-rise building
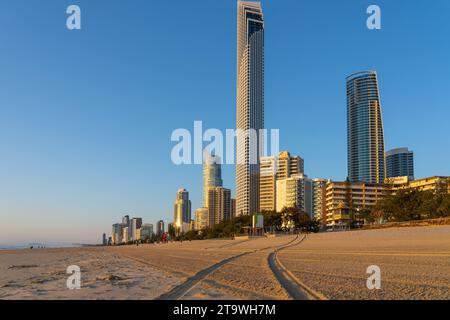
[[355, 196]]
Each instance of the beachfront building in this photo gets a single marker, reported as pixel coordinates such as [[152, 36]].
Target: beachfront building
[[160, 228], [365, 136], [126, 235], [267, 183], [291, 193], [201, 218], [135, 229], [400, 163], [146, 231], [319, 200], [276, 168], [219, 205], [182, 209], [212, 174], [435, 184], [117, 233], [354, 196], [249, 105]]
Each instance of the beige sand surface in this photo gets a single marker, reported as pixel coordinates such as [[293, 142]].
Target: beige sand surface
[[41, 274], [415, 264]]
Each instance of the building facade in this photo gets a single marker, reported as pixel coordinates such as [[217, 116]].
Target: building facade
[[212, 174], [319, 200], [400, 163], [291, 193], [267, 183], [182, 208], [146, 231], [135, 229], [249, 105], [201, 218], [276, 168], [160, 228], [365, 135], [352, 197], [219, 205]]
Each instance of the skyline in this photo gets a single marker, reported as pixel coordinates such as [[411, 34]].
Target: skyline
[[73, 180]]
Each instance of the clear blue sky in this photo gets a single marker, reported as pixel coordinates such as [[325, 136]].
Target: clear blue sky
[[86, 116]]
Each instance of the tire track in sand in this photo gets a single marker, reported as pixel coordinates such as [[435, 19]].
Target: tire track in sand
[[296, 289]]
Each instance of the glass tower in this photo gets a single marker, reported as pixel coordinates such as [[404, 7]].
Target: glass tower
[[366, 157], [212, 174], [249, 105], [400, 163]]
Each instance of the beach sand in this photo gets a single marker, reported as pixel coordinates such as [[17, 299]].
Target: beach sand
[[414, 262]]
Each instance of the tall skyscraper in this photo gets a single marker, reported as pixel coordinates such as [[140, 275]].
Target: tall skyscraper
[[400, 163], [212, 174], [250, 105], [219, 206], [182, 208], [365, 136]]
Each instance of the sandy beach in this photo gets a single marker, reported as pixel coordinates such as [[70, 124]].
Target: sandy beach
[[414, 263]]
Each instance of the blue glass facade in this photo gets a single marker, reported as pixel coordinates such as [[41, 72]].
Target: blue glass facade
[[366, 158]]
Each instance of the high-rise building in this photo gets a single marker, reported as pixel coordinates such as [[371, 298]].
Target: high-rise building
[[126, 235], [291, 193], [400, 163], [276, 168], [201, 218], [289, 165], [250, 105], [117, 233], [365, 136], [160, 228], [267, 183], [182, 208], [212, 174], [126, 224], [146, 231], [104, 240], [134, 229], [319, 200], [219, 205]]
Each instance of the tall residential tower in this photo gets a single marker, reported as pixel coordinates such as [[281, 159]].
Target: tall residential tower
[[366, 158], [212, 174], [400, 163], [250, 105]]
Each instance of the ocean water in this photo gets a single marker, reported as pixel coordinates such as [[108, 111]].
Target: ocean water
[[36, 245]]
